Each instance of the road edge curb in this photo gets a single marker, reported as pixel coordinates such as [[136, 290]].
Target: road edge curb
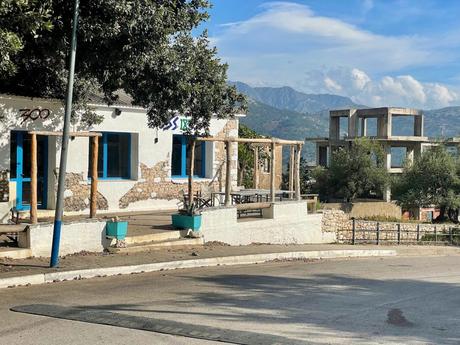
[[43, 278]]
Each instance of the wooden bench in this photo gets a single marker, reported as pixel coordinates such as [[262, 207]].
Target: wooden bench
[[248, 208]]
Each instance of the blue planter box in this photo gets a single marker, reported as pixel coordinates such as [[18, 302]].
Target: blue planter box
[[184, 221], [117, 230]]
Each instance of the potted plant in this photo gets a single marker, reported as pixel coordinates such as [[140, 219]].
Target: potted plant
[[187, 218], [116, 229]]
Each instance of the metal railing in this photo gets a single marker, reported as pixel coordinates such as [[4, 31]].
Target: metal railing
[[376, 235]]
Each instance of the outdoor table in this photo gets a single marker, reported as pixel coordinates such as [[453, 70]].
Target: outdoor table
[[250, 195]]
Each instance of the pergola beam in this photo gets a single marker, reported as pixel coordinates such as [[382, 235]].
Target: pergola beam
[[71, 134], [253, 140]]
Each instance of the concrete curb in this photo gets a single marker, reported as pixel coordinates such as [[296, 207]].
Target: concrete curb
[[43, 278]]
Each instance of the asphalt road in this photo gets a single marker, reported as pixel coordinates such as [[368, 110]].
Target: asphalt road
[[412, 300]]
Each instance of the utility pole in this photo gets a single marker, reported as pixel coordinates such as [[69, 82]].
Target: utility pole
[[65, 143]]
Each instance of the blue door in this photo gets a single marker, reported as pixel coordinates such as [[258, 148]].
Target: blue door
[[20, 162]]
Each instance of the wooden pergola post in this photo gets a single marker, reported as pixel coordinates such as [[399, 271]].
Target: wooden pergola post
[[228, 179], [33, 179], [297, 172], [272, 172], [256, 167], [190, 172], [291, 169], [94, 176]]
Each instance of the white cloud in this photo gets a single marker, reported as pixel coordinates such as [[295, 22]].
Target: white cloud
[[311, 40], [402, 90], [332, 84], [289, 44]]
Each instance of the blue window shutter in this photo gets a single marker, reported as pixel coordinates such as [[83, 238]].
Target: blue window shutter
[[203, 159]]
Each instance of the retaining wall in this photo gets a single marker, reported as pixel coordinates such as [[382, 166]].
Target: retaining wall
[[341, 223], [283, 223], [75, 237]]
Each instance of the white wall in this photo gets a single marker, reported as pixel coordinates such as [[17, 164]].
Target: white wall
[[131, 120], [75, 237], [290, 225]]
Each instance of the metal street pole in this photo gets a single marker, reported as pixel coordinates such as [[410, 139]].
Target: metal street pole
[[65, 142]]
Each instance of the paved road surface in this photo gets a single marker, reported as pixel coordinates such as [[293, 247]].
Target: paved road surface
[[361, 301]]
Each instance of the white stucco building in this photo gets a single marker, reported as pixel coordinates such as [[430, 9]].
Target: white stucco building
[[139, 168]]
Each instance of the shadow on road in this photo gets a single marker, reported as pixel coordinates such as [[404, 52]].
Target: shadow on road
[[339, 305]]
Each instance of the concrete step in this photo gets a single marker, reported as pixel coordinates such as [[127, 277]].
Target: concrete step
[[157, 236], [141, 247], [12, 228], [15, 253]]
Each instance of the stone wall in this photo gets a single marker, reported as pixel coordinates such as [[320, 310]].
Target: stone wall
[[157, 184], [77, 194], [367, 209], [4, 186], [339, 222]]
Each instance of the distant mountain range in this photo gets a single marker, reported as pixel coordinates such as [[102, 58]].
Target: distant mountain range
[[289, 114], [287, 98]]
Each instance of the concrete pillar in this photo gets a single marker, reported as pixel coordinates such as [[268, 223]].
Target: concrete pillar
[[387, 149], [389, 123], [387, 194], [410, 154], [353, 124], [363, 126], [334, 128], [418, 125]]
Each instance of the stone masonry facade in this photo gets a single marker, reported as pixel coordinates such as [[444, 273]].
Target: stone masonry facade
[[77, 194], [157, 184], [4, 186], [339, 222]]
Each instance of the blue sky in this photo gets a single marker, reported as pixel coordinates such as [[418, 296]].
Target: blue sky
[[378, 52]]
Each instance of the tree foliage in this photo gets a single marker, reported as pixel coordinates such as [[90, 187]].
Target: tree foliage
[[357, 171], [20, 20], [246, 156], [143, 47], [433, 179]]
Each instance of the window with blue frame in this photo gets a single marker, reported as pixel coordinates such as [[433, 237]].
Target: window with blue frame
[[180, 160], [114, 156]]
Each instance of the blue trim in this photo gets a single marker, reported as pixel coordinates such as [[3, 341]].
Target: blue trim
[[45, 174], [19, 172], [19, 169], [183, 169], [184, 156], [105, 150], [55, 246], [105, 155]]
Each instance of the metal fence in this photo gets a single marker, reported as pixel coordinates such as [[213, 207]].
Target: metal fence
[[376, 235]]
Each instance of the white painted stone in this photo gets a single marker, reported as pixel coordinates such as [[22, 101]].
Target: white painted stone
[[68, 193]]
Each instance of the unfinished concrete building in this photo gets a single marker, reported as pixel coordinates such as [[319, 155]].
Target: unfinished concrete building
[[399, 130]]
